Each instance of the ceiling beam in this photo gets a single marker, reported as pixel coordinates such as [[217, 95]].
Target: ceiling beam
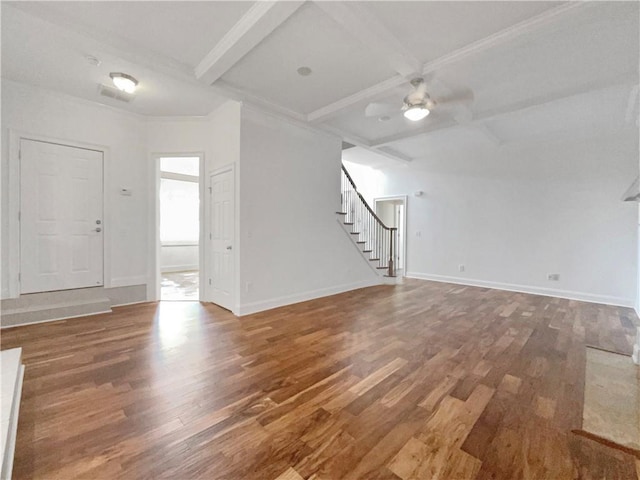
[[477, 122], [358, 21], [508, 34], [632, 105], [254, 26], [239, 95], [364, 144]]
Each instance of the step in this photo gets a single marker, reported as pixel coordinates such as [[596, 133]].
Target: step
[[49, 298], [54, 311], [12, 374]]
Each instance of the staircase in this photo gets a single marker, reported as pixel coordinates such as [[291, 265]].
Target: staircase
[[377, 242]]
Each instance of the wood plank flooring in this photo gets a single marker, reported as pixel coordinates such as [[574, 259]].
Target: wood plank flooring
[[418, 380]]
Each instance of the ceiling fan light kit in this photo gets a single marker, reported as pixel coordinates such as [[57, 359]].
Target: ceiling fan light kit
[[416, 112], [417, 104]]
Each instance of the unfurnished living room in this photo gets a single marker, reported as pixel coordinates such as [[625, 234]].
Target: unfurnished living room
[[285, 240]]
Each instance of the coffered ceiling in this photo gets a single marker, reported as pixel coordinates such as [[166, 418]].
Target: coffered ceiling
[[528, 62]]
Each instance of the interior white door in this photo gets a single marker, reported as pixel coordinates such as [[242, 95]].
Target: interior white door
[[222, 238], [61, 228]]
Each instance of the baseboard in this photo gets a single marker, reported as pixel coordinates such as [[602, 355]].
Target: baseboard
[[261, 306], [57, 319], [180, 268], [128, 281], [137, 302], [548, 292]]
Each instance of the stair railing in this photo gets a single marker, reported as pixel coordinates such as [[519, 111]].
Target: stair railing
[[378, 240]]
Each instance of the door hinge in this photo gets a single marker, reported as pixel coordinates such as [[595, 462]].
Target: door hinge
[[19, 277], [210, 190], [19, 215], [20, 154], [210, 236], [209, 281]]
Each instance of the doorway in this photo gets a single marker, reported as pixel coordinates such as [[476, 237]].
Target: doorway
[[61, 217], [393, 213], [179, 228]]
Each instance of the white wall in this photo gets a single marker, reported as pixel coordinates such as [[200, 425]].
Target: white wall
[[39, 112], [292, 247], [179, 258], [514, 214]]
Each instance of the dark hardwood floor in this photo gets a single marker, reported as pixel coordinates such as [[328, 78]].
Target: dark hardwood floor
[[419, 380]]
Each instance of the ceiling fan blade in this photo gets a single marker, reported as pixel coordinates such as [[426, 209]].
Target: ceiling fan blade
[[456, 98], [376, 109]]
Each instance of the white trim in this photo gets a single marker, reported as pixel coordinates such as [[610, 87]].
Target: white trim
[[15, 136], [128, 281], [255, 307], [137, 302], [56, 319], [256, 112], [180, 177], [405, 201], [153, 278], [179, 268], [370, 31], [78, 100], [398, 157], [547, 292], [252, 28]]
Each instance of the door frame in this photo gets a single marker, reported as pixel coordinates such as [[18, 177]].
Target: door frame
[[153, 284], [12, 290], [403, 199], [231, 167]]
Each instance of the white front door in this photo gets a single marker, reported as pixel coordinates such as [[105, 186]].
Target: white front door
[[222, 238], [61, 223]]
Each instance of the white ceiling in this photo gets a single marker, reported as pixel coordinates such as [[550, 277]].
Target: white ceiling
[[309, 38], [534, 68]]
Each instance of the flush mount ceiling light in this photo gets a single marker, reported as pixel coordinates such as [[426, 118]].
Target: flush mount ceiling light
[[124, 82], [304, 71], [416, 112]]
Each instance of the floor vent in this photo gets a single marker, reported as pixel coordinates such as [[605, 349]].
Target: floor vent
[[112, 92]]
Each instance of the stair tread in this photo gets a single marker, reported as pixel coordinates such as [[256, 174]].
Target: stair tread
[[374, 259], [341, 213]]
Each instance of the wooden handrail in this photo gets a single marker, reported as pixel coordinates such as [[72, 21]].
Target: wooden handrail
[[355, 189], [377, 239]]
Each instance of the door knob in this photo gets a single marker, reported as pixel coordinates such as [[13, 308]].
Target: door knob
[[98, 229], [228, 247]]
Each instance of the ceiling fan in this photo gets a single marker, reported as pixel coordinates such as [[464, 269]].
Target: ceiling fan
[[418, 104]]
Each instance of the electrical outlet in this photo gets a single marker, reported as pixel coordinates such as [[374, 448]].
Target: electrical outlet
[[418, 234], [461, 268], [553, 277]]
